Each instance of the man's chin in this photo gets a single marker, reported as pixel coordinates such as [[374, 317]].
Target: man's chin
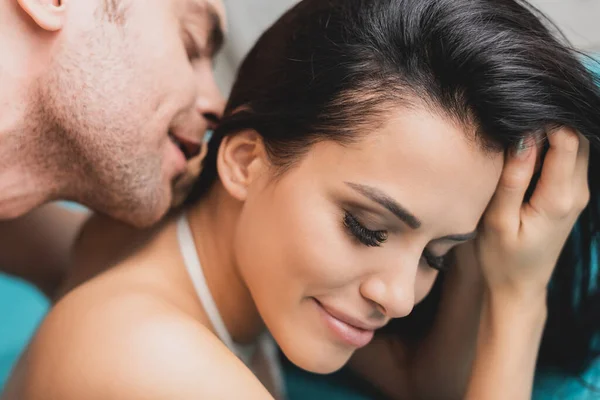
[[144, 214], [13, 209]]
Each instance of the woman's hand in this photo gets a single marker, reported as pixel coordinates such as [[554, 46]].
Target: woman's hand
[[491, 334], [517, 249], [520, 242]]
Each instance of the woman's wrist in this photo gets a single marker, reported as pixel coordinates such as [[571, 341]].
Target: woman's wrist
[[515, 310], [510, 332], [517, 296]]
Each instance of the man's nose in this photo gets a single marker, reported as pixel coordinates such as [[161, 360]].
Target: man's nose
[[206, 112], [210, 103]]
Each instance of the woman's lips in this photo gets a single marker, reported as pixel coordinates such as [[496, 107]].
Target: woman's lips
[[350, 331]]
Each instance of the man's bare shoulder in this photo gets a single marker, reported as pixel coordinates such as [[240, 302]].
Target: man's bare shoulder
[[130, 346]]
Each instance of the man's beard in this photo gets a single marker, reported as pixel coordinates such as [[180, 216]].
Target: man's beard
[[98, 169]]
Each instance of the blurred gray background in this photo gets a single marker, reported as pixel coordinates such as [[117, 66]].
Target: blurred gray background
[[578, 19]]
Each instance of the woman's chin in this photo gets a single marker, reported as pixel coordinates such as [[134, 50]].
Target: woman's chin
[[317, 359]]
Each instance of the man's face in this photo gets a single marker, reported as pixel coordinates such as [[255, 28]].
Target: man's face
[[127, 78]]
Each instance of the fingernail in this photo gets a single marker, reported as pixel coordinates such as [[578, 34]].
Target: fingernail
[[521, 148]]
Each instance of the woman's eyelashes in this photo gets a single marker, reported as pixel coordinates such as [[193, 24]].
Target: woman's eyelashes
[[364, 235], [375, 238]]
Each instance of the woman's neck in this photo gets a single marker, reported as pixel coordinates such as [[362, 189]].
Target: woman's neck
[[212, 222]]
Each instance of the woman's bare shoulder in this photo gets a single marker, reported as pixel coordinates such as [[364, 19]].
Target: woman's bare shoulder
[[127, 345]]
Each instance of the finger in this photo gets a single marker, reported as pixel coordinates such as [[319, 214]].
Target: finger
[[504, 210], [583, 159], [552, 196], [580, 180]]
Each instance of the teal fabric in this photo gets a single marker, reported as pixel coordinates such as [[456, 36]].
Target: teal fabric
[[552, 385], [302, 385], [21, 310]]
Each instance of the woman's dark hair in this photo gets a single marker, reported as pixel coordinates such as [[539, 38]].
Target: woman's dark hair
[[333, 70]]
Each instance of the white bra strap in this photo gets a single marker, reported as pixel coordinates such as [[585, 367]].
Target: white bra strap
[[194, 269], [192, 264]]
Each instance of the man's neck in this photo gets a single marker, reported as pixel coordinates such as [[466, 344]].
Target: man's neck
[[27, 171]]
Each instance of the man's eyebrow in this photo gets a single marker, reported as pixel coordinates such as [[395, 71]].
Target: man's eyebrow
[[216, 36], [385, 200], [388, 202]]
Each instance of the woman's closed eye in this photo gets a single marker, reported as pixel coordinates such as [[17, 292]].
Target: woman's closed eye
[[375, 238], [361, 233]]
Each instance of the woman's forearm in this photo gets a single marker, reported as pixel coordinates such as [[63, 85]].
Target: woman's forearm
[[510, 332], [441, 363]]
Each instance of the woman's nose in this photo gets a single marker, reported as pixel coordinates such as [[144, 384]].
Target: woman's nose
[[393, 292]]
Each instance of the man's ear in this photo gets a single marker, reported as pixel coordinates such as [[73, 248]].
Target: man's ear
[[241, 160], [47, 14]]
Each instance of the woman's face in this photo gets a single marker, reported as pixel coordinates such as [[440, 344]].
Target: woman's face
[[350, 236]]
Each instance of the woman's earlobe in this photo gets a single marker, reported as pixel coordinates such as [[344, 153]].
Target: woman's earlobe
[[47, 14]]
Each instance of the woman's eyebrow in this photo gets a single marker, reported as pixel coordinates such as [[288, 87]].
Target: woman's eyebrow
[[388, 202]]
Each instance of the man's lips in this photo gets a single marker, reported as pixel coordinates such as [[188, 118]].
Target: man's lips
[[189, 147]]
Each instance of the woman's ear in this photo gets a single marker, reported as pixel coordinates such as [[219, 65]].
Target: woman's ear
[[47, 14], [241, 160]]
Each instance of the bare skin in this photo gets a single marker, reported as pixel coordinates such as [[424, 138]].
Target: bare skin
[[133, 313], [91, 91]]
